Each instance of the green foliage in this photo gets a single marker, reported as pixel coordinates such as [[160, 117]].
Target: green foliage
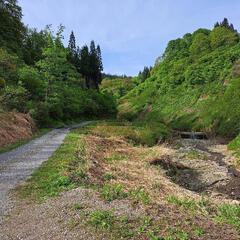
[[193, 87], [235, 144], [115, 157], [146, 73], [102, 219], [200, 44], [188, 203], [54, 175], [8, 67], [140, 195], [2, 83], [11, 28], [15, 97], [117, 87], [112, 192], [32, 81], [137, 133], [222, 36], [52, 90], [229, 214], [108, 176], [33, 44]]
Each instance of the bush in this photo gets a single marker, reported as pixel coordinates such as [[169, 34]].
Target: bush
[[15, 98], [2, 83], [32, 81]]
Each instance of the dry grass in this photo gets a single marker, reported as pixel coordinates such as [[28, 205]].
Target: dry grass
[[147, 186], [122, 177], [15, 127]]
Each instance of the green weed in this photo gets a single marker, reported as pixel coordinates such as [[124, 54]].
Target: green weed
[[112, 192], [102, 219], [140, 195], [229, 214]]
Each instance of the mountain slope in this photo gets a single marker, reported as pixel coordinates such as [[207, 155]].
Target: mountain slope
[[194, 86]]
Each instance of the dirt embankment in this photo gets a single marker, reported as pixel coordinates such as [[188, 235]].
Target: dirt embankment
[[15, 127]]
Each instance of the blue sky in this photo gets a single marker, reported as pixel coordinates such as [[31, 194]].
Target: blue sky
[[131, 33]]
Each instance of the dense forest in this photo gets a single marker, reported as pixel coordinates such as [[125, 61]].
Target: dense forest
[[194, 85], [40, 76]]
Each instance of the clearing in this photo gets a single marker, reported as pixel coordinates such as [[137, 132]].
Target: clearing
[[101, 184]]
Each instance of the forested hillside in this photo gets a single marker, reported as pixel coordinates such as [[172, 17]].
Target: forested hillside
[[117, 86], [194, 85], [40, 76]]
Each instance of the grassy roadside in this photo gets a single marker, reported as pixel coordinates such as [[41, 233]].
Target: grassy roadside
[[109, 158], [53, 176], [38, 134]]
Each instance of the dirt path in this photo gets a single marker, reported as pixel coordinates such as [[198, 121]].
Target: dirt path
[[18, 164]]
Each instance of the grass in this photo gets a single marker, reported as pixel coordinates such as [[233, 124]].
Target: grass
[[140, 195], [188, 203], [234, 145], [137, 133], [101, 219], [78, 206], [59, 173], [10, 147], [193, 154], [69, 168], [229, 214], [112, 192], [115, 157], [108, 176]]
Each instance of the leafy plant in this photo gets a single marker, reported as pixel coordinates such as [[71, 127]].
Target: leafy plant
[[112, 192], [101, 219]]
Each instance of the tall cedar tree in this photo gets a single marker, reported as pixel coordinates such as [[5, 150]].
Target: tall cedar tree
[[72, 56], [33, 44], [11, 28], [88, 62], [225, 23]]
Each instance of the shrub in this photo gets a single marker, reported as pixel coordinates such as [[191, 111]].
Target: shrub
[[2, 83], [15, 98]]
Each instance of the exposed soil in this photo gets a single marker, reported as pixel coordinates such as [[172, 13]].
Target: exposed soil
[[204, 167], [15, 127]]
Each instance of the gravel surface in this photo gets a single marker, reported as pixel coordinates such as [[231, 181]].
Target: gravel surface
[[57, 219], [18, 164]]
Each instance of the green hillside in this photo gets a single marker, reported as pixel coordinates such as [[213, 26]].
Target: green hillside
[[194, 86], [118, 87]]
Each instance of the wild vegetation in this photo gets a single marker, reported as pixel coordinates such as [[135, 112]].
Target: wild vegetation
[[194, 85], [38, 75], [126, 196], [127, 178]]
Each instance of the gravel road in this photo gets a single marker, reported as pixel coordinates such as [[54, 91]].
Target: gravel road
[[17, 165]]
